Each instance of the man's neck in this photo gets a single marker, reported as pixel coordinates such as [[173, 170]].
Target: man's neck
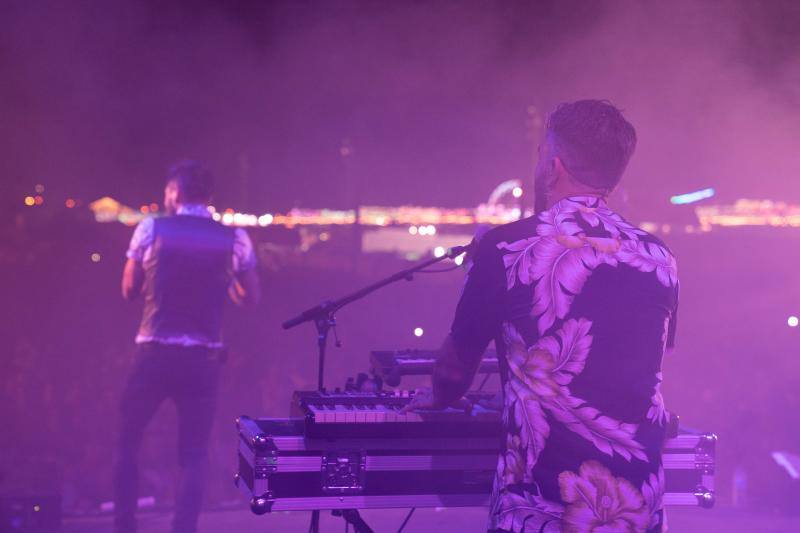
[[553, 199], [192, 209]]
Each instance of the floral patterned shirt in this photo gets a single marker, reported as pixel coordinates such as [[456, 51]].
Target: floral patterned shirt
[[582, 304]]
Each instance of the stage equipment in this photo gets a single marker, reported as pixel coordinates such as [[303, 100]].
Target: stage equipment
[[390, 365], [345, 454], [323, 315]]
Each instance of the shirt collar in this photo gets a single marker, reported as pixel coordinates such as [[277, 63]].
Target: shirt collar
[[584, 200], [194, 210]]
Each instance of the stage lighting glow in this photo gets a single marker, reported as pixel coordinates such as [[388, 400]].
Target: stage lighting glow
[[418, 332], [423, 230], [459, 260], [216, 216], [227, 218], [431, 229], [70, 203], [412, 230], [439, 251], [793, 321], [39, 200], [265, 220], [692, 197], [95, 257], [517, 192], [30, 200]]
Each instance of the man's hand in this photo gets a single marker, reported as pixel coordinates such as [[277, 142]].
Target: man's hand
[[245, 288], [423, 399], [132, 279]]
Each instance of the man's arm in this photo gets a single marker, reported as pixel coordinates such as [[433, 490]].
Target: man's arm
[[245, 288], [133, 272], [454, 372], [477, 321], [132, 279]]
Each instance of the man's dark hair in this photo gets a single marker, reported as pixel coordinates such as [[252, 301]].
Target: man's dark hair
[[593, 141], [194, 181]]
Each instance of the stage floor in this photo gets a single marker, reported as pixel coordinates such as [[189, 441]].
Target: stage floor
[[465, 520]]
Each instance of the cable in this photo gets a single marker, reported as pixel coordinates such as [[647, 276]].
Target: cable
[[438, 271], [408, 517], [485, 379]]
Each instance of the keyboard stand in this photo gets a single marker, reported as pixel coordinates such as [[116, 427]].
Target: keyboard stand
[[351, 516]]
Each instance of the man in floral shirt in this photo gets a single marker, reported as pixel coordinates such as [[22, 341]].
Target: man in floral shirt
[[583, 305]]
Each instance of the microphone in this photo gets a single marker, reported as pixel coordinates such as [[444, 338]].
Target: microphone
[[469, 249]]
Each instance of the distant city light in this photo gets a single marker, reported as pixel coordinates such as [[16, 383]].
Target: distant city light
[[793, 321], [517, 192], [418, 332], [70, 203], [423, 230], [439, 251], [96, 257], [265, 220], [412, 230], [692, 197], [431, 229], [380, 221], [30, 200], [227, 218]]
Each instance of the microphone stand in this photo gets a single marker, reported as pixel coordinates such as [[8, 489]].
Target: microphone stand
[[323, 316]]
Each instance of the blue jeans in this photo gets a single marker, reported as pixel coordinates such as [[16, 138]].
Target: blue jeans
[[189, 376]]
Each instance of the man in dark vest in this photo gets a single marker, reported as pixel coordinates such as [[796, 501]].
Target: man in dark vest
[[185, 264]]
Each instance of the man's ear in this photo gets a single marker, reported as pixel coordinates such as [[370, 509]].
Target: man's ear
[[559, 170]]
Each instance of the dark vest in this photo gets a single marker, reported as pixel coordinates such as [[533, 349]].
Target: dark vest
[[186, 278]]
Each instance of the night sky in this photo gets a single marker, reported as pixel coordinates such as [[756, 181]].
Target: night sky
[[98, 98]]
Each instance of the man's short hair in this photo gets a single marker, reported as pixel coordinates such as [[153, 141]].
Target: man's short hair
[[593, 141], [194, 181]]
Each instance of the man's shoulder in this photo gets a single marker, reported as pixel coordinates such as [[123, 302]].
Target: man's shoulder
[[650, 238], [513, 231]]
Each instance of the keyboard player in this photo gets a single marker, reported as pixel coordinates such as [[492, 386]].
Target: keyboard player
[[584, 304]]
